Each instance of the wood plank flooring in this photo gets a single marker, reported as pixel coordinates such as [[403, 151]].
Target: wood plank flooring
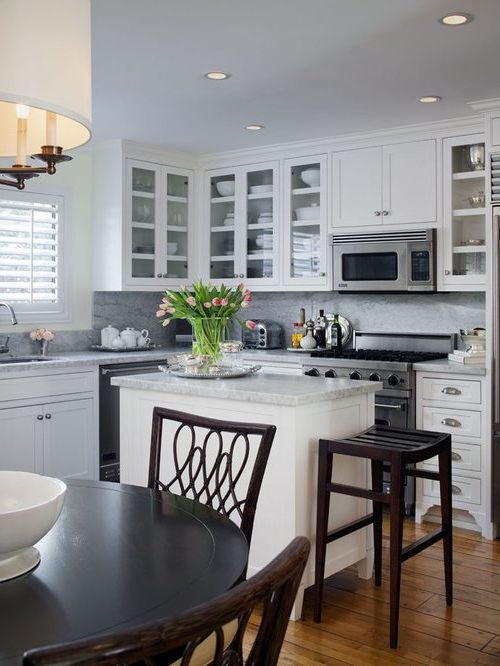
[[355, 627]]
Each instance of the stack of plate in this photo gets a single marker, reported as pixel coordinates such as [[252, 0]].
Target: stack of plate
[[265, 218], [264, 242], [495, 177], [229, 220]]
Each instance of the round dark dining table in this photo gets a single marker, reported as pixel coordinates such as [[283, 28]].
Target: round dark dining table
[[117, 557]]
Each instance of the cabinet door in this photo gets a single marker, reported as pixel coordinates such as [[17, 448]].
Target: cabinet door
[[409, 183], [224, 216], [21, 439], [260, 238], [305, 219], [357, 187], [67, 439], [144, 212]]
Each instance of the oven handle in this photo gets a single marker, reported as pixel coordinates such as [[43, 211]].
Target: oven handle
[[399, 407]]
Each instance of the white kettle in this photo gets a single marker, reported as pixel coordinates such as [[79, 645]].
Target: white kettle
[[108, 334]]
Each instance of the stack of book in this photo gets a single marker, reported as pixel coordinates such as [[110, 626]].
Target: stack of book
[[465, 357]]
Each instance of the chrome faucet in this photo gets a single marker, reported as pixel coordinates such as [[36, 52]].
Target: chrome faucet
[[9, 307]]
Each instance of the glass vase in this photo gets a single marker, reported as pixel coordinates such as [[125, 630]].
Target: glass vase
[[208, 333]]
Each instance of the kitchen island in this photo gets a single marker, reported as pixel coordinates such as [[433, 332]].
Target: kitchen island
[[304, 409]]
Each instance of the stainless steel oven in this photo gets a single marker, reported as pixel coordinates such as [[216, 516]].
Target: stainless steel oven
[[403, 261]]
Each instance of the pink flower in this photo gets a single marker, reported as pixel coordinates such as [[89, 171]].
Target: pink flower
[[165, 322], [250, 324], [241, 287], [160, 313], [216, 301], [247, 292], [164, 306], [247, 299], [165, 300], [170, 310], [245, 304], [224, 301], [207, 305], [191, 300]]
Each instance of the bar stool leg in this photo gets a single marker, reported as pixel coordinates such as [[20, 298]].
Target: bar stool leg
[[397, 515], [322, 512], [446, 520], [377, 485]]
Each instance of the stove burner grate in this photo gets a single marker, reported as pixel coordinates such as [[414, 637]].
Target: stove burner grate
[[380, 355]]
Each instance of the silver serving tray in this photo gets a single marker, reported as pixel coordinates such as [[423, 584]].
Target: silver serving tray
[[102, 348], [210, 372]]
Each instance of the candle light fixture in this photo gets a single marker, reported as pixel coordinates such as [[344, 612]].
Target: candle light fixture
[[45, 98]]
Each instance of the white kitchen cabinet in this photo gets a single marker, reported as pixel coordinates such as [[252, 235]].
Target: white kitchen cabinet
[[385, 185], [305, 222], [21, 441], [464, 222], [243, 224]]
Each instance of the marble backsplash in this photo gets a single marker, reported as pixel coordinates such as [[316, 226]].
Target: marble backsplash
[[426, 313]]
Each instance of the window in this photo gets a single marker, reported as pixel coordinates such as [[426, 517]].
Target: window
[[31, 255]]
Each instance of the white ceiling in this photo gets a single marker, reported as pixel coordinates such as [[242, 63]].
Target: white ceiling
[[303, 68]]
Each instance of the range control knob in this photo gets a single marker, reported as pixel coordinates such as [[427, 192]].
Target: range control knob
[[312, 373], [330, 374], [392, 380], [355, 375], [374, 377]]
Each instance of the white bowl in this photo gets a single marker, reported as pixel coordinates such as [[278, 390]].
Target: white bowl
[[172, 248], [311, 177], [307, 213], [260, 189], [225, 188], [30, 504]]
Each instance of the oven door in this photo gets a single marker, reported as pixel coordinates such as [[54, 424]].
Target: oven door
[[392, 412], [370, 267]]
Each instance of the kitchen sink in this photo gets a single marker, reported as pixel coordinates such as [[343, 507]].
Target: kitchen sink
[[23, 359]]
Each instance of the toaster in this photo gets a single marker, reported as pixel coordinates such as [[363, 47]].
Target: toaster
[[267, 334]]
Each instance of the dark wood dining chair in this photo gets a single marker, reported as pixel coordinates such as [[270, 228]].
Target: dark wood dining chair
[[210, 458], [211, 633]]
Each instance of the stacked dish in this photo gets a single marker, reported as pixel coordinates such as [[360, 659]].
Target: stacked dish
[[260, 189], [266, 217], [229, 220]]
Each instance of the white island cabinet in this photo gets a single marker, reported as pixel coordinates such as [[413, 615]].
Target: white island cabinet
[[303, 409]]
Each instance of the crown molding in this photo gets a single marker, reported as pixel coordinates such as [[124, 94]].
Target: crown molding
[[485, 104]]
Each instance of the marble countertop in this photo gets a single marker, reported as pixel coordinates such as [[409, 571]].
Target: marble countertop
[[445, 366], [262, 388]]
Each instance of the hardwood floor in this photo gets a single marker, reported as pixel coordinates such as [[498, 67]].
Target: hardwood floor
[[355, 627]]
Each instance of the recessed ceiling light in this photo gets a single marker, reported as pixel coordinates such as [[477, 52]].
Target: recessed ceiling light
[[456, 19], [430, 99], [254, 127], [217, 76]]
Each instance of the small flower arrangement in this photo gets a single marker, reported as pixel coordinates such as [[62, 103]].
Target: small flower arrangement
[[209, 309], [40, 334]]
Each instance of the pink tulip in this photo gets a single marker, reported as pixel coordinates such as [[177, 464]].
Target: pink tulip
[[165, 322], [160, 313], [247, 292], [207, 305], [164, 306], [165, 300], [216, 301], [245, 304], [241, 287], [170, 310], [250, 324], [191, 300], [247, 299], [224, 301]]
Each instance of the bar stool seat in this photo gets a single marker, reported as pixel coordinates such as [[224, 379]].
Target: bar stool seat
[[389, 449]]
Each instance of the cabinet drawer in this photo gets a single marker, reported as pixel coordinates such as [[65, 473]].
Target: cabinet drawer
[[465, 457], [464, 490], [462, 422], [26, 388], [451, 390]]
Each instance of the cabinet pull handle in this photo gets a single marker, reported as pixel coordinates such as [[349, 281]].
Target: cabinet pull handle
[[48, 416], [447, 272], [40, 417], [455, 490], [453, 423], [377, 213], [159, 275], [455, 456], [451, 390]]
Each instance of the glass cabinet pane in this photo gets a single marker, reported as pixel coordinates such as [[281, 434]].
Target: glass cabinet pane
[[143, 207], [468, 230], [177, 226], [260, 224], [222, 227], [305, 207]]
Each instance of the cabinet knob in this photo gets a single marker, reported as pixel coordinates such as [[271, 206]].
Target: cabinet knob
[[159, 275], [385, 212], [455, 456], [165, 275], [452, 423], [322, 274], [447, 272], [48, 416], [242, 275], [451, 390], [377, 213], [235, 275], [455, 490], [39, 417]]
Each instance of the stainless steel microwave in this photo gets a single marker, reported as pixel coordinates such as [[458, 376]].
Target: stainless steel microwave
[[388, 261]]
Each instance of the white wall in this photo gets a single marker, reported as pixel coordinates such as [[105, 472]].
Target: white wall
[[74, 180]]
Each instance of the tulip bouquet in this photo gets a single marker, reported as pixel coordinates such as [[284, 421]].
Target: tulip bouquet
[[211, 310]]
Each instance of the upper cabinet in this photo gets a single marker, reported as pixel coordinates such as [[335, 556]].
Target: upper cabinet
[[305, 222], [244, 230], [394, 184], [464, 220]]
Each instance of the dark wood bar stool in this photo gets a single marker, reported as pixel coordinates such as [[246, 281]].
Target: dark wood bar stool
[[390, 449]]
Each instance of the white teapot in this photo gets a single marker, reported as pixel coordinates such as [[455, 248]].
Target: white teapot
[[108, 334], [129, 338], [142, 337]]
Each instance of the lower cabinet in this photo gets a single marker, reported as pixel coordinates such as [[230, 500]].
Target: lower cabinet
[[55, 436]]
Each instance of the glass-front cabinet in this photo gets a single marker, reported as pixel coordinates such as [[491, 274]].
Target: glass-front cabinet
[[464, 233], [158, 210], [244, 226], [305, 217]]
